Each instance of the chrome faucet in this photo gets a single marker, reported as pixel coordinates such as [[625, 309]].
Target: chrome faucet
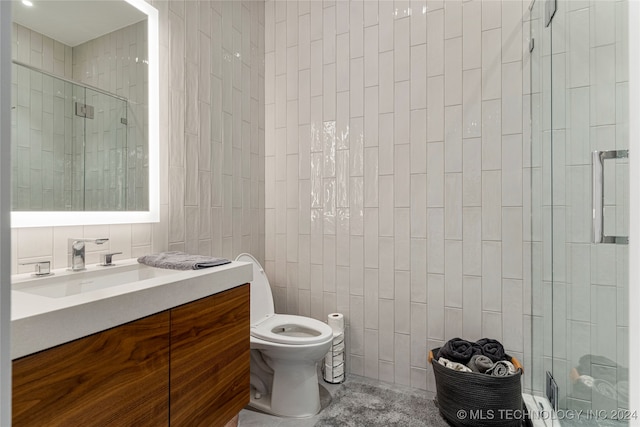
[[77, 253]]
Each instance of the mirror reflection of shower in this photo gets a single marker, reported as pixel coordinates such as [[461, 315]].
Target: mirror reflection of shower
[[79, 114], [600, 380], [70, 145]]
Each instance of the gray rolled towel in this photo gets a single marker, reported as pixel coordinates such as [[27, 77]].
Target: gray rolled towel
[[491, 348], [623, 389], [176, 260], [589, 364], [605, 388], [479, 363], [501, 368]]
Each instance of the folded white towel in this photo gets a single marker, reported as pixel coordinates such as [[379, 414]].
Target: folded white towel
[[453, 365]]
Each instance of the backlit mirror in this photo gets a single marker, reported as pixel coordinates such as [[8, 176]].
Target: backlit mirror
[[84, 112]]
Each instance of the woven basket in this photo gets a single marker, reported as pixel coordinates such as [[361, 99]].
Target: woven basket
[[475, 399]]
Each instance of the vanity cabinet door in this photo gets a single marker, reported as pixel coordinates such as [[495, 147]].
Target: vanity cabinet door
[[116, 377], [209, 372]]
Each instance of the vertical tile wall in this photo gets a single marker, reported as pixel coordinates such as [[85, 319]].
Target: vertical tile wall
[[211, 142], [216, 126], [394, 173], [40, 51]]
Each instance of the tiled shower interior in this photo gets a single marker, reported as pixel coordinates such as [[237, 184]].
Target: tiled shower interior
[[579, 104]]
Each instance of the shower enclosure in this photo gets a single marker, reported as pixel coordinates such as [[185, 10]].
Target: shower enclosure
[[579, 205], [70, 145]]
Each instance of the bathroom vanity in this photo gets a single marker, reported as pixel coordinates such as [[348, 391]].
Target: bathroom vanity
[[89, 359]]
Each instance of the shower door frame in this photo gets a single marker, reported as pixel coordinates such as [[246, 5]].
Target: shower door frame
[[634, 204], [633, 300]]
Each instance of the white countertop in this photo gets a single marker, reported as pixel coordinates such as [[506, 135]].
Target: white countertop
[[41, 322]]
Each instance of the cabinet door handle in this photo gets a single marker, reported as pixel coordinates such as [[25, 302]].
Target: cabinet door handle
[[597, 200]]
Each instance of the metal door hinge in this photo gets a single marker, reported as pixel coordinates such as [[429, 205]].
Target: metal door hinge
[[84, 110]]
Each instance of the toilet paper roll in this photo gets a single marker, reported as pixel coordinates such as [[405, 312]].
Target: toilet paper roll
[[335, 354], [332, 372], [338, 348], [334, 359], [337, 380], [333, 375], [338, 338], [336, 321]]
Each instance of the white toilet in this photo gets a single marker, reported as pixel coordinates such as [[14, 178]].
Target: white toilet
[[284, 352]]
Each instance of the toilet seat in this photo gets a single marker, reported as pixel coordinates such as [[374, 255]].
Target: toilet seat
[[291, 330], [279, 328]]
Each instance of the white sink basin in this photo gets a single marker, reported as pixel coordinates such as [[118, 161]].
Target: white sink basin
[[74, 283], [49, 311]]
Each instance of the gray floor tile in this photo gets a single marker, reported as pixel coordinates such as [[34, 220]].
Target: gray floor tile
[[250, 417]]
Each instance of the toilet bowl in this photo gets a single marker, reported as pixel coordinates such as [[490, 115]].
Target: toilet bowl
[[284, 353]]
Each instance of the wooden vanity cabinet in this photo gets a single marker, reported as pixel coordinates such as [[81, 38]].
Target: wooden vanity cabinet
[[210, 359], [185, 366], [116, 377]]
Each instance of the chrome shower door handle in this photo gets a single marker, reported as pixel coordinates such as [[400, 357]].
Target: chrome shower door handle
[[597, 200]]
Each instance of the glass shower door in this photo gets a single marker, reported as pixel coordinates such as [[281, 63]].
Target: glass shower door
[[105, 152], [588, 190], [75, 147]]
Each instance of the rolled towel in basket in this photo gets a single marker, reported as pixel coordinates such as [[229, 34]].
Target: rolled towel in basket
[[623, 390], [501, 368], [491, 348], [479, 363], [586, 380], [181, 261], [590, 364], [459, 350], [453, 365], [605, 388]]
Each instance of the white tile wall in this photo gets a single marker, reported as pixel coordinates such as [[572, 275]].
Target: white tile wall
[[217, 121], [429, 241]]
